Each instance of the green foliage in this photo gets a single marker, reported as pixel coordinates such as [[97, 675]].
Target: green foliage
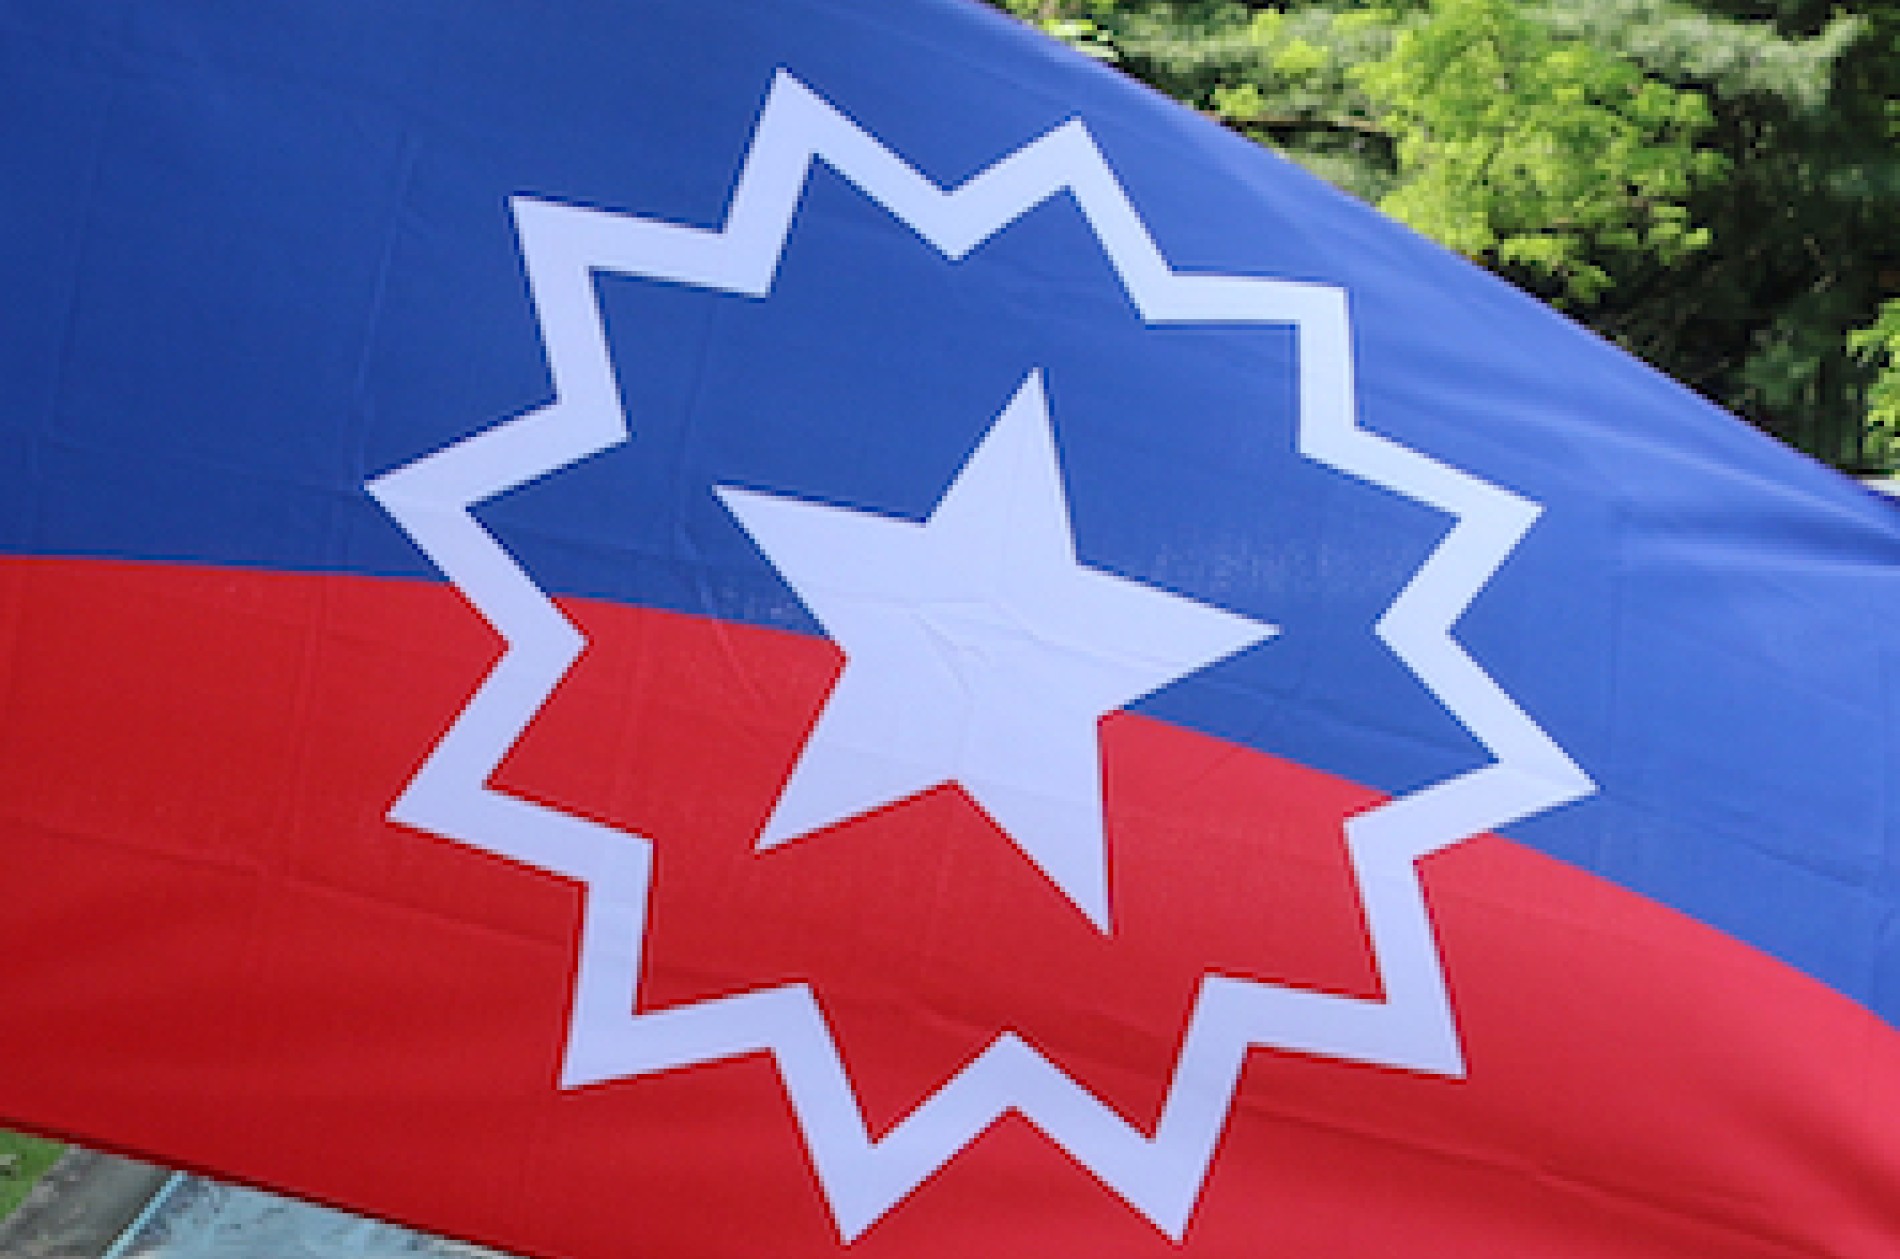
[[1684, 43], [25, 1160], [1711, 183], [1523, 148], [1878, 345]]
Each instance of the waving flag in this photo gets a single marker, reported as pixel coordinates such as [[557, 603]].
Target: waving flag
[[820, 629]]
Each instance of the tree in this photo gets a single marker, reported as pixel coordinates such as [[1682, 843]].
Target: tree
[[1710, 183]]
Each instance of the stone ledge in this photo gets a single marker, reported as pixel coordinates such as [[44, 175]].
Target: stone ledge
[[79, 1207]]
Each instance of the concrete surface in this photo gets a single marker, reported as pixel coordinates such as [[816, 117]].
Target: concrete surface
[[203, 1219], [79, 1207], [87, 1204]]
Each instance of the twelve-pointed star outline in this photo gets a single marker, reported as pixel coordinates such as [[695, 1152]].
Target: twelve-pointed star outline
[[1159, 1173], [978, 651]]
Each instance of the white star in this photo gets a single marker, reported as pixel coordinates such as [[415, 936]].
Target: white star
[[978, 651]]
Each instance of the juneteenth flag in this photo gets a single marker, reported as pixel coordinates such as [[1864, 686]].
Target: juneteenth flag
[[819, 628]]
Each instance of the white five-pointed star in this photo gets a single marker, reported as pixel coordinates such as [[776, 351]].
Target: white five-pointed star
[[978, 651]]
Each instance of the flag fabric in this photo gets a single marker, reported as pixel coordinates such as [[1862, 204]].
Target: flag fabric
[[816, 628]]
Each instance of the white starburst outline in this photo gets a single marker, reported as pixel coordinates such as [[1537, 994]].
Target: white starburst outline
[[1160, 1174]]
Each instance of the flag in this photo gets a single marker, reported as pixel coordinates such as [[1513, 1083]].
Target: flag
[[823, 628]]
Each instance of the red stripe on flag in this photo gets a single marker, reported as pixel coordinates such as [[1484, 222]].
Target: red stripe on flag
[[217, 952]]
